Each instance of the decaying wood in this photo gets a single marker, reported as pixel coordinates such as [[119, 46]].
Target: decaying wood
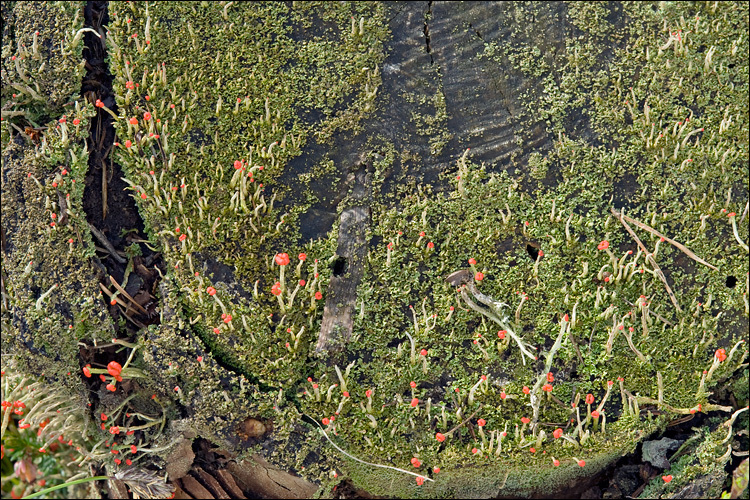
[[210, 483], [267, 481], [459, 278], [229, 484], [337, 323]]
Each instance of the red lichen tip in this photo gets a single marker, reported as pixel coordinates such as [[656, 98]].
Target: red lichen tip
[[114, 368], [282, 259]]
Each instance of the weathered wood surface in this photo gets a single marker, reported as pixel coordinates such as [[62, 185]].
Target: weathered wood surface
[[336, 325]]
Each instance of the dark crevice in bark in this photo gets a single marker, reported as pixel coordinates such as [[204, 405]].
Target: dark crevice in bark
[[110, 210], [111, 213], [427, 18]]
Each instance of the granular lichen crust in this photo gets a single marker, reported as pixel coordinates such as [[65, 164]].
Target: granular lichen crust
[[50, 294], [41, 58], [599, 273]]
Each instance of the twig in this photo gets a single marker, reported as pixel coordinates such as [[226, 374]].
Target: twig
[[466, 420], [680, 246], [650, 259], [127, 295], [104, 241], [104, 189], [682, 411]]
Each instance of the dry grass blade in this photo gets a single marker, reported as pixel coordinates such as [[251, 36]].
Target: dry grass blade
[[125, 306], [651, 260], [127, 295], [104, 190], [466, 420], [676, 244]]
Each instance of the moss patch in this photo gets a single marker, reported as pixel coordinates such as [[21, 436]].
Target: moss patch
[[216, 100]]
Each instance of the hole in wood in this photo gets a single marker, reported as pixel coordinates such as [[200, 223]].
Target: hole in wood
[[340, 265]]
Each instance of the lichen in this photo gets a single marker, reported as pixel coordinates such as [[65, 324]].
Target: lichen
[[47, 288], [41, 59], [217, 100]]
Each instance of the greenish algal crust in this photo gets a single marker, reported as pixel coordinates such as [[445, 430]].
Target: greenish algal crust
[[682, 184], [432, 120], [488, 478]]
